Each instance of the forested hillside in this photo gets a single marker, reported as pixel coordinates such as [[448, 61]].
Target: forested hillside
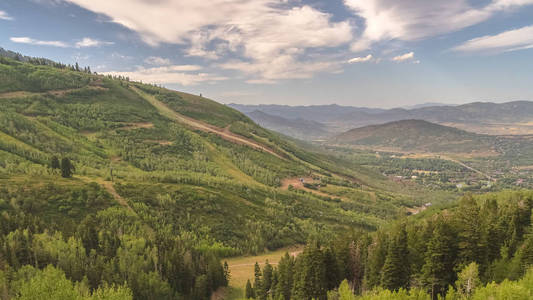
[[115, 187], [417, 136], [480, 248]]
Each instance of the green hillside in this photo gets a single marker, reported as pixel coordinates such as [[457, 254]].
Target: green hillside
[[416, 136], [155, 168]]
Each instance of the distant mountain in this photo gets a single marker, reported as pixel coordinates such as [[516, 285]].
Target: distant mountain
[[427, 104], [416, 136], [298, 128], [480, 117]]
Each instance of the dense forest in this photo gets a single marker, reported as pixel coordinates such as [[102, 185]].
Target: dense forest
[[481, 248]]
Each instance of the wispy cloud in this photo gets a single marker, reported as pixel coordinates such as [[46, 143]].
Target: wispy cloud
[[157, 61], [367, 58], [404, 57], [175, 74], [89, 42], [30, 41], [386, 20], [5, 16], [512, 40], [257, 32], [84, 43], [282, 67]]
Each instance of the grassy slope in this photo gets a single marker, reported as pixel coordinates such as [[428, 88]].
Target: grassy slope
[[193, 179]]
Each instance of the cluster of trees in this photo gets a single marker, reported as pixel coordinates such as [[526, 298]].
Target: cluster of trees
[[111, 251], [483, 239], [66, 166]]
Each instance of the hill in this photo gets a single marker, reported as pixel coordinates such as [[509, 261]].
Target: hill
[[163, 181], [416, 136], [480, 117]]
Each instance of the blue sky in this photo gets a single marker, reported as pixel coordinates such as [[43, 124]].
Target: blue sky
[[378, 53]]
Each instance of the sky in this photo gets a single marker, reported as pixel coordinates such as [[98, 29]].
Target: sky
[[374, 53]]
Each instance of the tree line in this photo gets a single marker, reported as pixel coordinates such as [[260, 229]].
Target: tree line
[[476, 246]]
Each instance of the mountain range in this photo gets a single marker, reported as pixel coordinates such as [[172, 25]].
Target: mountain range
[[480, 117]]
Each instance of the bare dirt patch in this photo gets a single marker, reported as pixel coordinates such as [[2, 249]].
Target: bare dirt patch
[[298, 183], [132, 126], [160, 142]]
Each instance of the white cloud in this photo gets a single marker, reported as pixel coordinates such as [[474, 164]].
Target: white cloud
[[367, 58], [89, 42], [281, 67], [5, 16], [410, 20], [27, 40], [512, 40], [257, 31], [404, 57], [85, 42], [158, 61], [175, 74]]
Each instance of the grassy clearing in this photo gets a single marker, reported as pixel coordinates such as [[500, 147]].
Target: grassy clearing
[[242, 269]]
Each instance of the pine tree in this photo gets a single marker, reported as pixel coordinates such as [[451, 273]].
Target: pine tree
[[377, 252], [332, 269], [249, 292], [471, 236], [356, 266], [227, 274], [67, 168], [54, 163], [285, 274], [395, 272], [438, 271], [258, 283], [311, 282], [267, 278]]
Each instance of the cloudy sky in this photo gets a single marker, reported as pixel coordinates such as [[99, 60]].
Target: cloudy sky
[[379, 53]]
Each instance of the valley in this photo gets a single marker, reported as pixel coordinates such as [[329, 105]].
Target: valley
[[150, 192]]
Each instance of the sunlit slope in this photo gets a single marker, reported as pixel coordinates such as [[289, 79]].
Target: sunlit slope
[[176, 160]]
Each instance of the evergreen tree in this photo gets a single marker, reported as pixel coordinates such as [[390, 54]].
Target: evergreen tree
[[285, 274], [377, 253], [438, 271], [67, 168], [249, 291], [332, 269], [395, 272], [356, 266], [267, 278], [54, 163], [471, 242], [227, 274], [258, 283], [311, 282]]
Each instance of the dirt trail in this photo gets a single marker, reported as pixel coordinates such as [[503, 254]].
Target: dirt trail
[[297, 184], [23, 94], [222, 132], [108, 185]]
